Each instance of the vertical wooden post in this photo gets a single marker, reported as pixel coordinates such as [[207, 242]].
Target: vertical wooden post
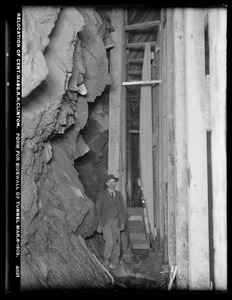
[[182, 253], [164, 137], [217, 48], [197, 152], [123, 147], [145, 137], [124, 125], [115, 105], [128, 181], [170, 143], [156, 100], [160, 146]]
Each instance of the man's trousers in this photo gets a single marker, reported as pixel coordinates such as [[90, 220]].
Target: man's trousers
[[111, 235]]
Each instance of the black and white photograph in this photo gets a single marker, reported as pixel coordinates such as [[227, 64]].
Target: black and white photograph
[[116, 162]]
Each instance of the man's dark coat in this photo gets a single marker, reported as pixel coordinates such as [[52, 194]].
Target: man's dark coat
[[102, 205]]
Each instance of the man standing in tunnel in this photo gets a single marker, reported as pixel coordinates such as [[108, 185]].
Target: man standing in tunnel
[[111, 214]]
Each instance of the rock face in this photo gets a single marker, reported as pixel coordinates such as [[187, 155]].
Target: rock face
[[93, 166], [93, 47], [64, 67], [37, 25]]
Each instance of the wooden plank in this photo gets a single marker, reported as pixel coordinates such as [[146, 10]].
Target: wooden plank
[[138, 236], [124, 135], [143, 82], [196, 149], [139, 45], [138, 240], [134, 131], [138, 245], [134, 73], [128, 183], [171, 150], [137, 230], [164, 88], [136, 225], [180, 143], [135, 218], [135, 60], [145, 141], [218, 101], [140, 26], [115, 103], [135, 210]]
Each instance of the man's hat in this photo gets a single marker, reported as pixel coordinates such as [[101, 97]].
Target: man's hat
[[111, 176]]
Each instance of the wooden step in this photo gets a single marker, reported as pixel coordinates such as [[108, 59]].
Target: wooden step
[[138, 236], [136, 224], [137, 230], [135, 211], [135, 218], [140, 245]]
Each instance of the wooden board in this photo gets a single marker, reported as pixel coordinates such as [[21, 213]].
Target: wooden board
[[146, 155], [136, 218], [135, 210], [138, 236]]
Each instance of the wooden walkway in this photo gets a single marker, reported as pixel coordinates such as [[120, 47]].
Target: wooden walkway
[[138, 237]]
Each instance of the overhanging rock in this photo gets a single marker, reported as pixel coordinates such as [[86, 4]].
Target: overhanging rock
[[55, 209]]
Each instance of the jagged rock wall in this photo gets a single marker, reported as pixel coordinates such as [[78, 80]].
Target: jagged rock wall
[[93, 166], [55, 211], [37, 25]]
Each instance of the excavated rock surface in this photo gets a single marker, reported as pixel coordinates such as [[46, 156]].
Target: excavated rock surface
[[37, 25], [93, 166], [94, 52], [64, 58]]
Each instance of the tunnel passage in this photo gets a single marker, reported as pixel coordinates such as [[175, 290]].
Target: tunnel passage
[[65, 135], [70, 57]]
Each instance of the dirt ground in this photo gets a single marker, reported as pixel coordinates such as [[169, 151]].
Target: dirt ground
[[140, 272]]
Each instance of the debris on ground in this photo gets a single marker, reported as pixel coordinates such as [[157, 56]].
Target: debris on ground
[[140, 273]]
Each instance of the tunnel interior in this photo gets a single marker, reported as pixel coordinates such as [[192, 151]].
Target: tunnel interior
[[66, 125], [92, 168], [104, 91], [138, 91]]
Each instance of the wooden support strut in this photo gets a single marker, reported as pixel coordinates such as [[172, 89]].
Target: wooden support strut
[[146, 82], [135, 60], [133, 131], [139, 45], [141, 26]]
